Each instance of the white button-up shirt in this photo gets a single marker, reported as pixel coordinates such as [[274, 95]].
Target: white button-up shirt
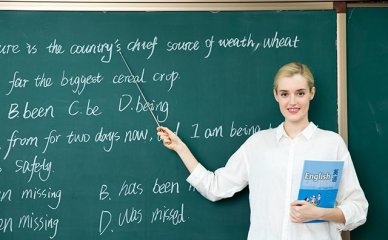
[[272, 163]]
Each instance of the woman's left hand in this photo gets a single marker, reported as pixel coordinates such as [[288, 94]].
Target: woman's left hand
[[302, 211]]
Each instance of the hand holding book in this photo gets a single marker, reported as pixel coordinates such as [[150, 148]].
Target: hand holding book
[[302, 211], [318, 191]]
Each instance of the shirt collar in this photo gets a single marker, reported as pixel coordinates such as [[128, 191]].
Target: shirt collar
[[307, 132]]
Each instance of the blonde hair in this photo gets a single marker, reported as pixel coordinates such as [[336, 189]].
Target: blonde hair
[[292, 69]]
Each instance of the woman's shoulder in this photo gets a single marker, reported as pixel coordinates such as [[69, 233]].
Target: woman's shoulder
[[266, 132], [328, 135], [263, 135], [333, 141]]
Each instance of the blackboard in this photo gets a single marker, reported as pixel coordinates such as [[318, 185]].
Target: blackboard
[[368, 112], [80, 155]]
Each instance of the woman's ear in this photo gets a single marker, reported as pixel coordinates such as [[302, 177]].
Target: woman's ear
[[312, 93], [275, 94]]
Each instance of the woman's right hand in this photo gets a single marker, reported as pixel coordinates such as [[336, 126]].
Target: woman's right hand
[[169, 138]]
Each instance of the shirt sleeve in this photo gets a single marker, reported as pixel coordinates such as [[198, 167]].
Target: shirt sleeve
[[351, 199], [225, 181]]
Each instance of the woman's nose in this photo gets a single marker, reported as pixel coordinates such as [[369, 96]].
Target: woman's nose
[[292, 99]]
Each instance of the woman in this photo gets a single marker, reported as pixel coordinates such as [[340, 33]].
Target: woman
[[271, 162]]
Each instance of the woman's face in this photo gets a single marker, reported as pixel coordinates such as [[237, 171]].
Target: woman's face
[[294, 96]]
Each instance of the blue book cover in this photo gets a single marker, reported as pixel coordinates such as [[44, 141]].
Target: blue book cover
[[320, 182]]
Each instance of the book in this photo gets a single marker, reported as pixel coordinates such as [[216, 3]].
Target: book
[[320, 182]]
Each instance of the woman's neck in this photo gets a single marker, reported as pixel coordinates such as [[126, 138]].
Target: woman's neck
[[293, 129]]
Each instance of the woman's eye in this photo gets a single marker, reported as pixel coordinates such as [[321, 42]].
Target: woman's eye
[[283, 94], [301, 94]]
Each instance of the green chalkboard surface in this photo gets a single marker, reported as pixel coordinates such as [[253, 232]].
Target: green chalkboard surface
[[80, 158], [368, 112]]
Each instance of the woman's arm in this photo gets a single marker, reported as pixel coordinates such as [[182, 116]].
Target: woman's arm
[[222, 183], [173, 142], [302, 211]]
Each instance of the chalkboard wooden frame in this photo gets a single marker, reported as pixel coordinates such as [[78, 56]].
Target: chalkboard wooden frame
[[342, 76], [81, 5]]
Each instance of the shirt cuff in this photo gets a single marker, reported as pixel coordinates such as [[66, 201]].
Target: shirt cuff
[[351, 222], [345, 211], [196, 175]]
